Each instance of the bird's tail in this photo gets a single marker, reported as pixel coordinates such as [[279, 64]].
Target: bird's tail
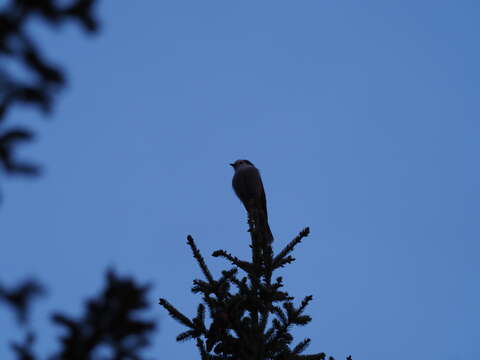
[[261, 225]]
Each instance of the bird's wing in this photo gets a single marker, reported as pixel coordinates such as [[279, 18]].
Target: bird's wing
[[248, 185]]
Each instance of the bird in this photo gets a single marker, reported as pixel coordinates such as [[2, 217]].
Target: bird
[[248, 186]]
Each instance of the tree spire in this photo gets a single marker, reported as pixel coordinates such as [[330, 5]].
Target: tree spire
[[250, 317]]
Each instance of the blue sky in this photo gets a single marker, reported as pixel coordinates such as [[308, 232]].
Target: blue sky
[[362, 117]]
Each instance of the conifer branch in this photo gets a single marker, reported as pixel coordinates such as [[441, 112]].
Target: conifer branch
[[279, 312], [177, 315], [199, 320], [202, 350], [304, 304], [320, 356], [187, 335], [282, 262], [301, 346], [203, 287], [227, 277], [244, 265], [290, 246], [198, 256], [241, 284], [253, 219]]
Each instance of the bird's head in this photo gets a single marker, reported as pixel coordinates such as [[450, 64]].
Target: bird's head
[[239, 164]]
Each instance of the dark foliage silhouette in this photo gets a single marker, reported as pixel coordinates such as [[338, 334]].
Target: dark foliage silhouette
[[17, 46], [250, 316], [20, 298], [111, 327]]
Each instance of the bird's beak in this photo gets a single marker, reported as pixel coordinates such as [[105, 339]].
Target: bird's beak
[[232, 165]]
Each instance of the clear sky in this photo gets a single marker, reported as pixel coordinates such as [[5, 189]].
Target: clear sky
[[363, 117]]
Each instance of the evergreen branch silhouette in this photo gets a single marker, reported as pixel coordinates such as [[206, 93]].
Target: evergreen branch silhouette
[[290, 246], [301, 346], [187, 335], [198, 256], [177, 315], [202, 350], [244, 265], [320, 356], [44, 80]]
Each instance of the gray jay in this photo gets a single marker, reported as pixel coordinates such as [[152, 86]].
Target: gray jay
[[248, 186]]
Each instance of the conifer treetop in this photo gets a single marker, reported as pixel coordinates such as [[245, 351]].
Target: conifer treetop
[[251, 316]]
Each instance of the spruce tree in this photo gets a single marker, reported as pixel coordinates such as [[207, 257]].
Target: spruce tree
[[251, 316]]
